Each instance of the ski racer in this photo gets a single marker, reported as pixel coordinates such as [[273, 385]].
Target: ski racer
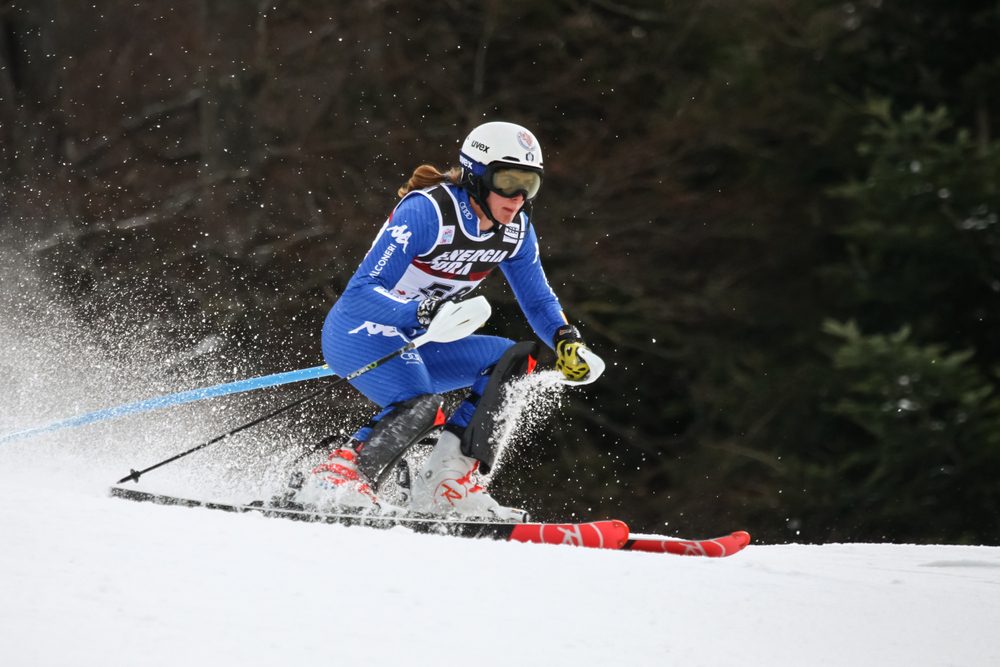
[[447, 233]]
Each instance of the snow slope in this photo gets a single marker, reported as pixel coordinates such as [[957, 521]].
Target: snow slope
[[90, 580]]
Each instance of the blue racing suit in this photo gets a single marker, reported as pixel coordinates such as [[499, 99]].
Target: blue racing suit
[[431, 247]]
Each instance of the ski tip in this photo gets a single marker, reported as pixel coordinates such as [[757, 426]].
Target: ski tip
[[620, 533], [742, 538], [715, 547]]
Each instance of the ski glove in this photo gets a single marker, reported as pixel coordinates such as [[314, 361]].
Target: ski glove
[[568, 343], [428, 308]]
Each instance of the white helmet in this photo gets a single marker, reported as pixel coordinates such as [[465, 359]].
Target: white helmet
[[500, 142], [502, 157]]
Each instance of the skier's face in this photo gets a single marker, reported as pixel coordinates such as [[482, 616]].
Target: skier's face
[[504, 208]]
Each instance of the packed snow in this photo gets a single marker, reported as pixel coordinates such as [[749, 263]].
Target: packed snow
[[91, 580], [86, 579]]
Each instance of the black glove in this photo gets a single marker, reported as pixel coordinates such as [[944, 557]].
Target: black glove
[[568, 342], [428, 308]]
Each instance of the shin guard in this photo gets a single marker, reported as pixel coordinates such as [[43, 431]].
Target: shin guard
[[407, 424], [478, 438]]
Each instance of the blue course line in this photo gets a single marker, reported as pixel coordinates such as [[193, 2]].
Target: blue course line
[[179, 398]]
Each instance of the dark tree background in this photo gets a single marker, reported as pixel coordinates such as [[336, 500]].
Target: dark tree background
[[777, 219]]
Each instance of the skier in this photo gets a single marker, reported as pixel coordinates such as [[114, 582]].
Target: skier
[[446, 234]]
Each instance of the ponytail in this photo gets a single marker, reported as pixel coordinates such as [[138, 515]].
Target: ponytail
[[427, 175]]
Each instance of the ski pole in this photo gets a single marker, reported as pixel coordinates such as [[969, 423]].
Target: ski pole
[[455, 320], [134, 475], [169, 400]]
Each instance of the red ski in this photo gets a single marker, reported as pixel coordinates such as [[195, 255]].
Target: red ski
[[610, 534], [716, 547], [596, 534]]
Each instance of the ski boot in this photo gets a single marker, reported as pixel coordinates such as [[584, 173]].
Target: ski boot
[[335, 484], [449, 483], [352, 473]]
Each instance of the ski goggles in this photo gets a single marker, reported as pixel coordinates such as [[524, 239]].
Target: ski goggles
[[509, 181]]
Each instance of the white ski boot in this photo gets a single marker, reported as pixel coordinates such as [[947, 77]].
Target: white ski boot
[[448, 483], [337, 484]]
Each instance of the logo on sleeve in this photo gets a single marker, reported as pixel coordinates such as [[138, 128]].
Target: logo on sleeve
[[400, 235], [376, 329]]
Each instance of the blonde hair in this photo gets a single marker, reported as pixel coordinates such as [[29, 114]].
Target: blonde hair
[[427, 175]]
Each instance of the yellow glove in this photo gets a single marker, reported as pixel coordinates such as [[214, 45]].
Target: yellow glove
[[568, 343]]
